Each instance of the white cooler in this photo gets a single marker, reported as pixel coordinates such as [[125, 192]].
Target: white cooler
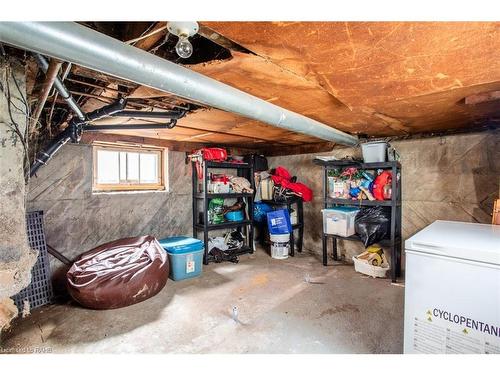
[[452, 293]]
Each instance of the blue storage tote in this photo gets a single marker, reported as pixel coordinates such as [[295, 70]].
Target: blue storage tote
[[185, 255]]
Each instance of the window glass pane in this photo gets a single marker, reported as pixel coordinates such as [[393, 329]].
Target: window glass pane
[[107, 167], [127, 169], [149, 168], [132, 166], [123, 166]]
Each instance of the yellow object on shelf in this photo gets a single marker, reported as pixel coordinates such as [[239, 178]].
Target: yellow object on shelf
[[374, 249]]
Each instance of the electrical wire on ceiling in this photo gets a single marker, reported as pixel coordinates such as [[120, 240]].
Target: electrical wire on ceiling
[[165, 40], [144, 36]]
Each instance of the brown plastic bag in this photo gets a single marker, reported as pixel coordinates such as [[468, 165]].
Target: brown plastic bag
[[119, 273]]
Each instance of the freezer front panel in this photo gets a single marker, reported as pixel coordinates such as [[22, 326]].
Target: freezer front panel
[[451, 306]]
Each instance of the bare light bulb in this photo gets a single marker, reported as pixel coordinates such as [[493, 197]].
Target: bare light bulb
[[184, 48]]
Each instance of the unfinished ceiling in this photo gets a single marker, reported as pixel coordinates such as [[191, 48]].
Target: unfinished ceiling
[[367, 78]]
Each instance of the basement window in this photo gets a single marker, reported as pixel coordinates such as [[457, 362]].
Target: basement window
[[128, 168]]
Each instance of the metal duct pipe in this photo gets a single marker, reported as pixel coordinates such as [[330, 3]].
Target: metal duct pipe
[[63, 91], [80, 45]]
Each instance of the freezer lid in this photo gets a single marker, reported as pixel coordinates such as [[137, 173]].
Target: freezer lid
[[470, 241]]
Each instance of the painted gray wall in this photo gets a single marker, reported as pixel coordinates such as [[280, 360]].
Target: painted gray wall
[[448, 178], [77, 220]]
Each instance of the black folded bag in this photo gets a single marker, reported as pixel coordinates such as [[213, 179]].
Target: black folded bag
[[372, 224]]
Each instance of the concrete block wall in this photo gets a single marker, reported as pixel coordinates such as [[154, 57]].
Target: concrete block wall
[[449, 178]]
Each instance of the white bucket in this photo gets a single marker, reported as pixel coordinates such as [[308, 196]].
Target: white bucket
[[280, 245]]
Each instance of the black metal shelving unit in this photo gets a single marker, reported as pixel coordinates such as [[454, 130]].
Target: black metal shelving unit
[[243, 170], [394, 241]]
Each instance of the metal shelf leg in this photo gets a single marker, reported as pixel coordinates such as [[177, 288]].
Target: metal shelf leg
[[394, 260], [335, 255], [325, 250]]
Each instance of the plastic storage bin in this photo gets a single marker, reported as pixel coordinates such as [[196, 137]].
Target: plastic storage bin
[[368, 269], [235, 216], [218, 187], [339, 220], [374, 152], [185, 255]]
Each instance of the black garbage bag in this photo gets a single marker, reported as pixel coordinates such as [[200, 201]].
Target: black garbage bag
[[372, 224]]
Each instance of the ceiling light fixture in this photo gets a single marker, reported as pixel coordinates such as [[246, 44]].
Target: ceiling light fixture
[[183, 30]]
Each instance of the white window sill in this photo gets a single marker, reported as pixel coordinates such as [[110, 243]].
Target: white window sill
[[129, 192]]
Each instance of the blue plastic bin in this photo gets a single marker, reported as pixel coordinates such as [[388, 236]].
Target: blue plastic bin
[[185, 255]]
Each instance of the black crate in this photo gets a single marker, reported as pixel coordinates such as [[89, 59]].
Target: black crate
[[39, 292]]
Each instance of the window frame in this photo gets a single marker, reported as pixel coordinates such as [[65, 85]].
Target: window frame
[[161, 185]]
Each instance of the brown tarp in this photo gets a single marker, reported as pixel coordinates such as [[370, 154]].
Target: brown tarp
[[119, 273]]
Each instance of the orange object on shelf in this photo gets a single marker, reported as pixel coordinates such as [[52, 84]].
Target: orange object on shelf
[[381, 181]]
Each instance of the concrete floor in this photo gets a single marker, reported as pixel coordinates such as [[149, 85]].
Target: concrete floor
[[339, 311]]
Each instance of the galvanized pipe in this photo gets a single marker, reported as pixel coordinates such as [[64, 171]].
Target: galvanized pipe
[[80, 45], [59, 85]]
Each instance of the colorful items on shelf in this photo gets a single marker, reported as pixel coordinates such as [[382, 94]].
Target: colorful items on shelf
[[355, 184], [382, 186], [280, 186], [265, 187], [218, 184], [223, 248], [281, 177], [209, 154], [224, 184], [216, 211], [260, 211], [240, 185], [234, 216]]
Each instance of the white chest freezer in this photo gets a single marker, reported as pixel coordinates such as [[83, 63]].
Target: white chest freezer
[[452, 289]]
